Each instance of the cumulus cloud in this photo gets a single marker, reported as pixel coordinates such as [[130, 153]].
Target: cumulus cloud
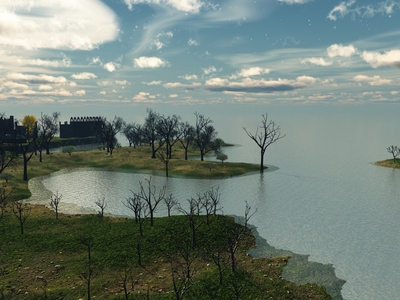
[[209, 70], [37, 79], [373, 81], [340, 50], [389, 58], [387, 7], [191, 6], [149, 62], [92, 25], [104, 83], [249, 85], [83, 76], [152, 83], [111, 66], [80, 93], [121, 82], [317, 61], [144, 97], [254, 71]]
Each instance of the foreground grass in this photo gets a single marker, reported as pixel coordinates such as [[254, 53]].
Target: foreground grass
[[50, 260], [389, 163]]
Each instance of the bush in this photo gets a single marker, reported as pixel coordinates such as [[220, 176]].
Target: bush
[[68, 149], [222, 157]]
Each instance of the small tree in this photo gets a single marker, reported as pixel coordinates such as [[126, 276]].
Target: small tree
[[21, 211], [266, 134], [6, 176], [102, 205], [248, 214], [55, 202], [170, 202], [68, 149], [222, 157], [394, 150]]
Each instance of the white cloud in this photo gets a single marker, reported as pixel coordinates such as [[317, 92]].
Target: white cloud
[[14, 85], [294, 1], [254, 71], [111, 66], [96, 60], [80, 93], [192, 42], [162, 38], [192, 6], [248, 85], [152, 83], [209, 70], [172, 85], [149, 62], [144, 97], [93, 24], [104, 83], [37, 78], [340, 50], [341, 10], [121, 82], [394, 93], [387, 7], [373, 81], [173, 96], [103, 92], [389, 58], [317, 61], [83, 76], [66, 62], [45, 87], [189, 77]]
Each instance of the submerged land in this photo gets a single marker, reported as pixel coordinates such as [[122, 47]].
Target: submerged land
[[68, 257]]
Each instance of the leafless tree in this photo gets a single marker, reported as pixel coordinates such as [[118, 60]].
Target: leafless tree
[[101, 203], [150, 132], [89, 268], [139, 207], [215, 199], [127, 281], [204, 135], [248, 214], [394, 150], [47, 128], [4, 195], [151, 197], [107, 132], [192, 213], [165, 157], [55, 202], [186, 136], [21, 211], [234, 237], [170, 202], [168, 128], [266, 134]]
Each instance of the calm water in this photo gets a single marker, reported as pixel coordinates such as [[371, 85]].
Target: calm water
[[326, 199]]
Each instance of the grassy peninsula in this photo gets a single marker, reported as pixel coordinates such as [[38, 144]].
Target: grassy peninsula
[[390, 163], [65, 258]]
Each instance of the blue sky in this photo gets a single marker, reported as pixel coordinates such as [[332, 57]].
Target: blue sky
[[92, 57]]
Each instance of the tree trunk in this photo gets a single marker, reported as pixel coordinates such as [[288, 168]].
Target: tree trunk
[[262, 162], [25, 167]]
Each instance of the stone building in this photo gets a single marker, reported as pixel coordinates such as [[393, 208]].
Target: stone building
[[79, 127]]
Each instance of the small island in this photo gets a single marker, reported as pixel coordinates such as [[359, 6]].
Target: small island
[[391, 163]]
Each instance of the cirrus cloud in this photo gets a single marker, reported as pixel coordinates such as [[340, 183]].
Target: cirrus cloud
[[192, 6]]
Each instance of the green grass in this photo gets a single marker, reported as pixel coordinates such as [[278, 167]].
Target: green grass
[[47, 260], [389, 163]]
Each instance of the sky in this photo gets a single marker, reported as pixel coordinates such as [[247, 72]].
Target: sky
[[92, 57]]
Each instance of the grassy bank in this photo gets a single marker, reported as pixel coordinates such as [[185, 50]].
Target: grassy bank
[[50, 261], [125, 158], [389, 163]]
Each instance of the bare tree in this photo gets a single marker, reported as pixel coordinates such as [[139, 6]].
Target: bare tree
[[215, 198], [4, 195], [89, 269], [165, 157], [266, 134], [55, 202], [101, 203], [193, 213], [204, 135], [170, 202], [234, 237], [47, 128], [28, 147], [21, 211], [186, 136], [394, 150], [133, 134], [150, 132], [107, 132], [248, 214], [139, 208], [168, 128], [151, 197]]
